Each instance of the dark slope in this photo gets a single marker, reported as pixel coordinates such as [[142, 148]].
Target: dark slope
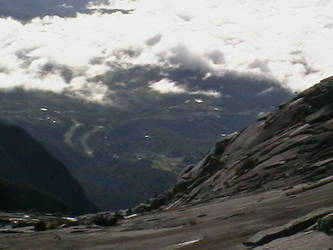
[[292, 145], [20, 197], [33, 176]]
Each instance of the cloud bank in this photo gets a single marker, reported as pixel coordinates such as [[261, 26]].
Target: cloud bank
[[286, 41]]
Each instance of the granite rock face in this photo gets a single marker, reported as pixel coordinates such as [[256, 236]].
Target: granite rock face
[[291, 146]]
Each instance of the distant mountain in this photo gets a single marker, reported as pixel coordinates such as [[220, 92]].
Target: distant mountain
[[31, 178], [132, 149]]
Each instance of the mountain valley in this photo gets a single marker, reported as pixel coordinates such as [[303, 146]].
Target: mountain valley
[[132, 147]]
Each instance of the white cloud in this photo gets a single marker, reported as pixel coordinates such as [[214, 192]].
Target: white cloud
[[166, 86], [288, 41], [66, 6], [210, 93]]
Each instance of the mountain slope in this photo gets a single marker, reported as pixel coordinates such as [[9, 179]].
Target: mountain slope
[[20, 197], [293, 145], [27, 168]]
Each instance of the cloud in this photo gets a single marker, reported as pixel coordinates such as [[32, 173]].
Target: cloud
[[166, 86], [181, 57], [66, 6], [286, 41], [154, 40], [209, 93]]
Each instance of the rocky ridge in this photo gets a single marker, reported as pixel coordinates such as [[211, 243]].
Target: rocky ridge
[[290, 146]]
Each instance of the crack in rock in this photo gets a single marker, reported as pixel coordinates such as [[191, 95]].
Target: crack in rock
[[293, 227]]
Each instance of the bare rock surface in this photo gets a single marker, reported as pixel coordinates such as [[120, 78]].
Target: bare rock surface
[[223, 223], [301, 241], [293, 227], [291, 146]]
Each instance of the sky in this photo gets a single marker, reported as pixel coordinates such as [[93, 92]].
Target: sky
[[289, 42]]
